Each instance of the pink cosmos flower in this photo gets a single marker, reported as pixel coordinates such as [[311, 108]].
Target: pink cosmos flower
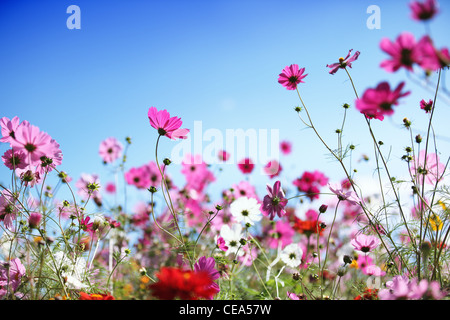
[[8, 208], [433, 170], [272, 168], [343, 62], [221, 245], [404, 52], [110, 187], [110, 150], [33, 142], [8, 128], [246, 166], [282, 233], [343, 195], [291, 76], [286, 147], [422, 11], [34, 219], [244, 189], [432, 58], [378, 102], [310, 183], [11, 274], [365, 243], [82, 185], [166, 125], [275, 201], [14, 160], [403, 288], [208, 265], [426, 106], [196, 172], [138, 177]]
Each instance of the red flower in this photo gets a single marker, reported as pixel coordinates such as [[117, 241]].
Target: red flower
[[95, 296], [368, 294], [308, 227], [183, 284]]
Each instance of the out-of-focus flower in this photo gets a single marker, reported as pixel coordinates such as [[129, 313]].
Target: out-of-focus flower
[[166, 125], [429, 169], [14, 159], [343, 62], [403, 288], [282, 233], [423, 11], [378, 102], [223, 155], [291, 76], [273, 168], [274, 202], [110, 150], [34, 219], [286, 147], [368, 294], [176, 283], [246, 166], [365, 243], [11, 274], [208, 265], [95, 296], [310, 183]]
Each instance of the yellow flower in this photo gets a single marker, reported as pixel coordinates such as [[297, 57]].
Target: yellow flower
[[435, 222], [354, 264]]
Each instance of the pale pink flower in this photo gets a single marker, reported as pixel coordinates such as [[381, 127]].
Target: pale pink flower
[[34, 219], [342, 194], [272, 168], [291, 76], [166, 125], [110, 150], [33, 142], [8, 128], [223, 155], [365, 243], [431, 171], [11, 274]]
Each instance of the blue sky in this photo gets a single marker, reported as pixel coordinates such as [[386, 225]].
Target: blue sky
[[210, 61]]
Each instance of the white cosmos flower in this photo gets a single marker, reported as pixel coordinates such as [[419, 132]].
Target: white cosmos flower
[[232, 237], [291, 255], [246, 210], [73, 270]]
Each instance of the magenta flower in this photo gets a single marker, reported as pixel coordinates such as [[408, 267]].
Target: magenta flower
[[432, 58], [110, 150], [34, 219], [431, 171], [423, 11], [378, 102], [221, 245], [426, 106], [404, 52], [8, 208], [310, 183], [342, 194], [166, 125], [246, 166], [365, 243], [282, 233], [275, 201], [208, 265], [343, 62], [286, 147], [291, 76], [138, 177]]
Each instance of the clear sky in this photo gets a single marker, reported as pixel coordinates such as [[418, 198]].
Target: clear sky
[[211, 61]]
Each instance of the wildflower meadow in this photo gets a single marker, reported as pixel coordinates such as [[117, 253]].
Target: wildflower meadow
[[269, 230]]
